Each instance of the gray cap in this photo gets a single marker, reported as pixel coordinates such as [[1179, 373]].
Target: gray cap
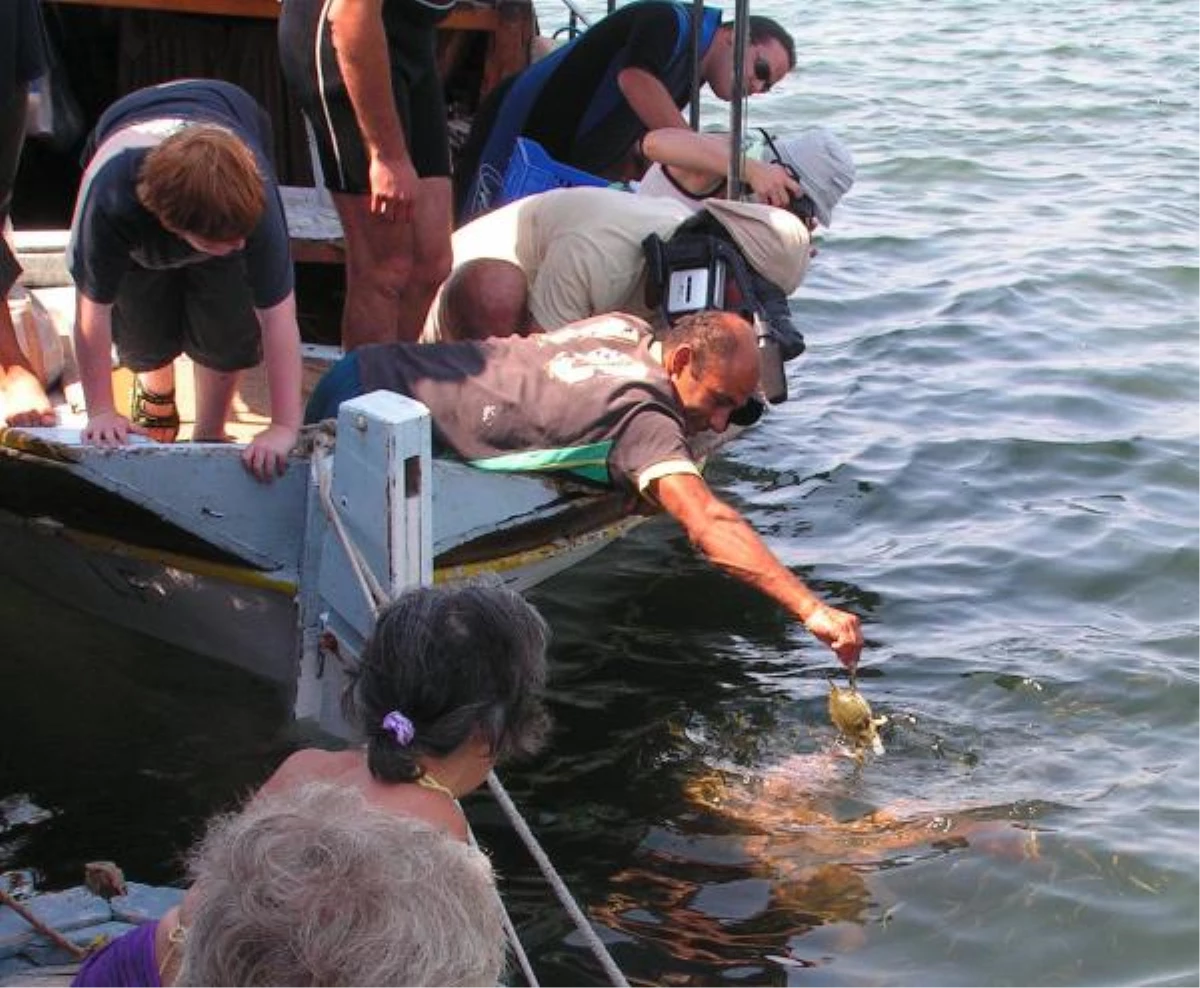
[[823, 165]]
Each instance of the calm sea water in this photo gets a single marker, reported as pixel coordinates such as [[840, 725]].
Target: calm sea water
[[991, 455]]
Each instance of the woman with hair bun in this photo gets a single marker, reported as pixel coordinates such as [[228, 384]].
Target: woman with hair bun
[[450, 683]]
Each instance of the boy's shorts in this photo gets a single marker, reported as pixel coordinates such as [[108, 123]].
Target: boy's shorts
[[204, 310]]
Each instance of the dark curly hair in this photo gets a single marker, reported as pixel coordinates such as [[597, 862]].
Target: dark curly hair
[[459, 662]]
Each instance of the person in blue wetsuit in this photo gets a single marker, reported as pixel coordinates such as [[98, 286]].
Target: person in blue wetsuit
[[588, 103]]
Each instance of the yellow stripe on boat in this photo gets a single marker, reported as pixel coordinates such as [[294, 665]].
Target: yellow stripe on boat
[[244, 576], [528, 557]]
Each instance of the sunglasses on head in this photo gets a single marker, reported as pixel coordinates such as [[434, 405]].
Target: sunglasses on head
[[779, 159]]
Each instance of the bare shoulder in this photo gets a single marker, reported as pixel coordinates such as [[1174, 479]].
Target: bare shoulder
[[349, 768], [312, 765], [410, 800]]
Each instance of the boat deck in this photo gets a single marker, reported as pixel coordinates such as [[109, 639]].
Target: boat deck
[[251, 405]]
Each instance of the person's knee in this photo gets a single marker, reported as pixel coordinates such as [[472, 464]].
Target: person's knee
[[429, 270], [385, 274]]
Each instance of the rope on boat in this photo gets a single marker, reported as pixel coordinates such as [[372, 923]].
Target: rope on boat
[[376, 598], [510, 931], [556, 882], [367, 581]]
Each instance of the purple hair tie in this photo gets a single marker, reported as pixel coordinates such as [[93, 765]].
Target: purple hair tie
[[400, 726]]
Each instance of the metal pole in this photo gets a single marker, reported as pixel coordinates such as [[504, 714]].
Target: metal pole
[[741, 38], [576, 15]]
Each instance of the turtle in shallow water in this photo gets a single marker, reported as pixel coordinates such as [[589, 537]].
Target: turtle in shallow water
[[851, 715]]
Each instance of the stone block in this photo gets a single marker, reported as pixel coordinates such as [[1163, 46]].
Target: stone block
[[11, 969], [62, 911], [144, 902], [44, 952]]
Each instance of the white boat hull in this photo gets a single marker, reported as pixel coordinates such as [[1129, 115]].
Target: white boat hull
[[231, 614], [177, 542]]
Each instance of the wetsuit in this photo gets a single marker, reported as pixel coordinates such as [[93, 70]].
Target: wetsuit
[[570, 103], [313, 75]]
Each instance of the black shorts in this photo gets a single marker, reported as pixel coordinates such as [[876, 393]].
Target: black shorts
[[204, 310], [315, 80]]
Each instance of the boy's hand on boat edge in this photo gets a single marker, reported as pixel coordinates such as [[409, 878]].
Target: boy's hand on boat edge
[[110, 429], [840, 630], [267, 455]]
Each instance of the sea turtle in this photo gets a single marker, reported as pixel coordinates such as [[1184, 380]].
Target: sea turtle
[[851, 715]]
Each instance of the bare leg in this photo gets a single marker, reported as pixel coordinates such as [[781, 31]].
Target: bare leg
[[214, 396], [378, 261], [432, 256], [23, 400], [393, 268]]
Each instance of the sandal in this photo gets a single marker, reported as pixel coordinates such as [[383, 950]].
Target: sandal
[[162, 426]]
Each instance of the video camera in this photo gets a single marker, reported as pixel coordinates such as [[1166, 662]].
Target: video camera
[[700, 268]]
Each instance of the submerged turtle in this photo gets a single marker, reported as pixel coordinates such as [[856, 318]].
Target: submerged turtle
[[851, 715]]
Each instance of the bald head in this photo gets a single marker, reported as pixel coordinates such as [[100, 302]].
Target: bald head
[[485, 297], [712, 360]]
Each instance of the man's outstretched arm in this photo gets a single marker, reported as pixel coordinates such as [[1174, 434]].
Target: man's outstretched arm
[[728, 541]]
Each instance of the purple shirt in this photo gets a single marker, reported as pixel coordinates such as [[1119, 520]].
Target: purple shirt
[[127, 962]]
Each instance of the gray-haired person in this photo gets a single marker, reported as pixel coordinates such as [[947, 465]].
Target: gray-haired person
[[317, 887], [314, 885], [451, 682]]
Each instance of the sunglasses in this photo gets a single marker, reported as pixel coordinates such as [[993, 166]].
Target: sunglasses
[[762, 72], [802, 205]]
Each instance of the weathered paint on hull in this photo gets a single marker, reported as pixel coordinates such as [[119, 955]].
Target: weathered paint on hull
[[234, 614]]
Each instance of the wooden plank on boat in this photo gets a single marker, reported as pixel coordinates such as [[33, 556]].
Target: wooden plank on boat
[[154, 41], [41, 977], [235, 8], [465, 17], [314, 229]]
